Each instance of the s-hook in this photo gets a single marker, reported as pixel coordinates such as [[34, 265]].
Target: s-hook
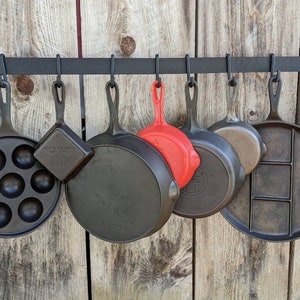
[[272, 67], [58, 84], [112, 71], [190, 78], [58, 70], [158, 78], [231, 80], [3, 74]]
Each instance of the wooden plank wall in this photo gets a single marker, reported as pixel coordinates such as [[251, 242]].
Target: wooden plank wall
[[205, 259]]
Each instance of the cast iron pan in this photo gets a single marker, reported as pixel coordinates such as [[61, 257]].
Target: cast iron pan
[[28, 192], [245, 140], [174, 146], [268, 204], [126, 191], [220, 174], [61, 150]]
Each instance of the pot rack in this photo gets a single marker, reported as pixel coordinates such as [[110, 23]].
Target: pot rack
[[72, 66]]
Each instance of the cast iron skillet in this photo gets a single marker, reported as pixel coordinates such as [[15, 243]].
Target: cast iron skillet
[[174, 146], [28, 192], [268, 205], [245, 140], [126, 191], [220, 174]]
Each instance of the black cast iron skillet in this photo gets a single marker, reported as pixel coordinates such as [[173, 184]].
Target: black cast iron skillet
[[268, 205], [126, 191], [220, 174], [28, 192]]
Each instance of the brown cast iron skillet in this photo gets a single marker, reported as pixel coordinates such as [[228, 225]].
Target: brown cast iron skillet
[[268, 204], [220, 174], [126, 191], [242, 136], [28, 192]]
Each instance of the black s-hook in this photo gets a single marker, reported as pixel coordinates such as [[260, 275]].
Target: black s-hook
[[272, 68], [112, 71], [231, 80], [190, 78], [158, 78], [3, 74]]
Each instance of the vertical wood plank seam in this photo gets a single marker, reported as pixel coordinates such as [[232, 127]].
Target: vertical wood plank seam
[[83, 133], [194, 221], [291, 261]]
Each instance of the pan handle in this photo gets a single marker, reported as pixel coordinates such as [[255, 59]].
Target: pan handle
[[158, 103], [59, 100], [113, 106], [231, 100], [5, 107], [274, 97], [191, 107]]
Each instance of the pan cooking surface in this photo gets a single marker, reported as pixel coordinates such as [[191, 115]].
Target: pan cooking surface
[[207, 189], [115, 199], [268, 204]]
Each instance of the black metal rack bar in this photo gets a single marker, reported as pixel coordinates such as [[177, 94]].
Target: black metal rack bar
[[43, 66]]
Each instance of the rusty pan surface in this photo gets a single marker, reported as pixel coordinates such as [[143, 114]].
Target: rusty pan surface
[[268, 204]]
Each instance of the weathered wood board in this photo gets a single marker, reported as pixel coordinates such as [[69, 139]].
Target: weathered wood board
[[228, 264], [49, 263], [158, 267]]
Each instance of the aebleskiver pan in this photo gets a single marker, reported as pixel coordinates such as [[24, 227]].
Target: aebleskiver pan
[[28, 192]]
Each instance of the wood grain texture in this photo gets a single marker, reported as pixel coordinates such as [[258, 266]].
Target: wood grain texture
[[160, 266], [228, 264], [49, 263]]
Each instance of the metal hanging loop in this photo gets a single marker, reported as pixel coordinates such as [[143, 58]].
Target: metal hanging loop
[[158, 78], [190, 78], [112, 71], [59, 83], [272, 67], [231, 80], [3, 74]]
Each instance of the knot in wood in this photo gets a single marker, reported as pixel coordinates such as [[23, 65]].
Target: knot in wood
[[25, 85], [127, 45]]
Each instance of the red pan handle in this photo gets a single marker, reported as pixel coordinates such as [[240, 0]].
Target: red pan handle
[[158, 103]]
